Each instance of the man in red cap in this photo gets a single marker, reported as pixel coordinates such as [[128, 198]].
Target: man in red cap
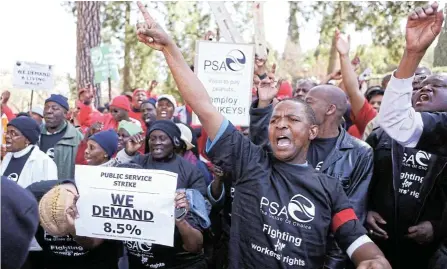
[[119, 110], [87, 114], [138, 97]]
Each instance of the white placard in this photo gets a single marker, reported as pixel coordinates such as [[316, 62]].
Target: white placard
[[33, 76], [226, 71], [126, 204]]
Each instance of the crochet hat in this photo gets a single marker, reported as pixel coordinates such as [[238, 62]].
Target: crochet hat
[[28, 127], [169, 128], [59, 99], [121, 102], [108, 140], [52, 210]]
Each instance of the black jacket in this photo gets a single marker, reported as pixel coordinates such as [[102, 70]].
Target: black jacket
[[383, 199], [351, 162]]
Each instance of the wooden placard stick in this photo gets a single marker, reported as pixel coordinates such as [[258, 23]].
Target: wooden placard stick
[[225, 23], [258, 17]]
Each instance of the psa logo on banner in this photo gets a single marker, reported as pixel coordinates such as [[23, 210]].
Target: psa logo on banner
[[234, 61]]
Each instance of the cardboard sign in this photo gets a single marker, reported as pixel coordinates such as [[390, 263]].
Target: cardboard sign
[[32, 76], [226, 71], [126, 204]]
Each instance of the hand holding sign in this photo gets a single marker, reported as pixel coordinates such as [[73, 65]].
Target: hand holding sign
[[150, 33], [181, 202]]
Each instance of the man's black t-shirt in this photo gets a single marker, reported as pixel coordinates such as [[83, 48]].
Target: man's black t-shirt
[[319, 149], [48, 141], [414, 168], [282, 213], [15, 166]]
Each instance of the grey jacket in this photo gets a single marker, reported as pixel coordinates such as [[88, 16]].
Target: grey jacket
[[65, 152]]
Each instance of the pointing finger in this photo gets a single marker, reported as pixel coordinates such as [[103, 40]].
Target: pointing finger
[[435, 6], [146, 15], [428, 10]]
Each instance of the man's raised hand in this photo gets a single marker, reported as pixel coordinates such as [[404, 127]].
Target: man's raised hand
[[423, 26], [150, 33], [268, 88], [341, 44]]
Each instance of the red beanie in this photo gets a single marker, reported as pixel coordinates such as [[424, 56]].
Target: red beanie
[[121, 102], [285, 91], [135, 92]]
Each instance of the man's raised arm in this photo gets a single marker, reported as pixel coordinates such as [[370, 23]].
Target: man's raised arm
[[190, 87], [397, 116]]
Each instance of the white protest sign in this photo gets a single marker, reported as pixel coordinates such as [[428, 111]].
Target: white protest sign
[[33, 76], [226, 71], [126, 204]]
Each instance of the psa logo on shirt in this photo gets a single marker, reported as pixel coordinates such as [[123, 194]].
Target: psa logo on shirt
[[13, 177], [418, 160], [299, 211], [50, 153], [234, 62]]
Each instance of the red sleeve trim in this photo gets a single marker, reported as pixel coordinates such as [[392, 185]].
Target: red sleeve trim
[[342, 217]]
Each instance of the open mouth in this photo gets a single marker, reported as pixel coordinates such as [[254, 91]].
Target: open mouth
[[283, 141], [164, 114], [157, 150], [423, 98]]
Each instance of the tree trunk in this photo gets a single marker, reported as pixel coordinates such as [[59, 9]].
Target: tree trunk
[[292, 51], [88, 34], [127, 48], [333, 54], [440, 57]]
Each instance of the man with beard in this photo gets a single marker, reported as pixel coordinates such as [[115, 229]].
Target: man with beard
[[405, 220], [59, 139], [308, 202]]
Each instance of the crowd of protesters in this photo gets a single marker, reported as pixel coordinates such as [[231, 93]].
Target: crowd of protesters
[[325, 175]]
